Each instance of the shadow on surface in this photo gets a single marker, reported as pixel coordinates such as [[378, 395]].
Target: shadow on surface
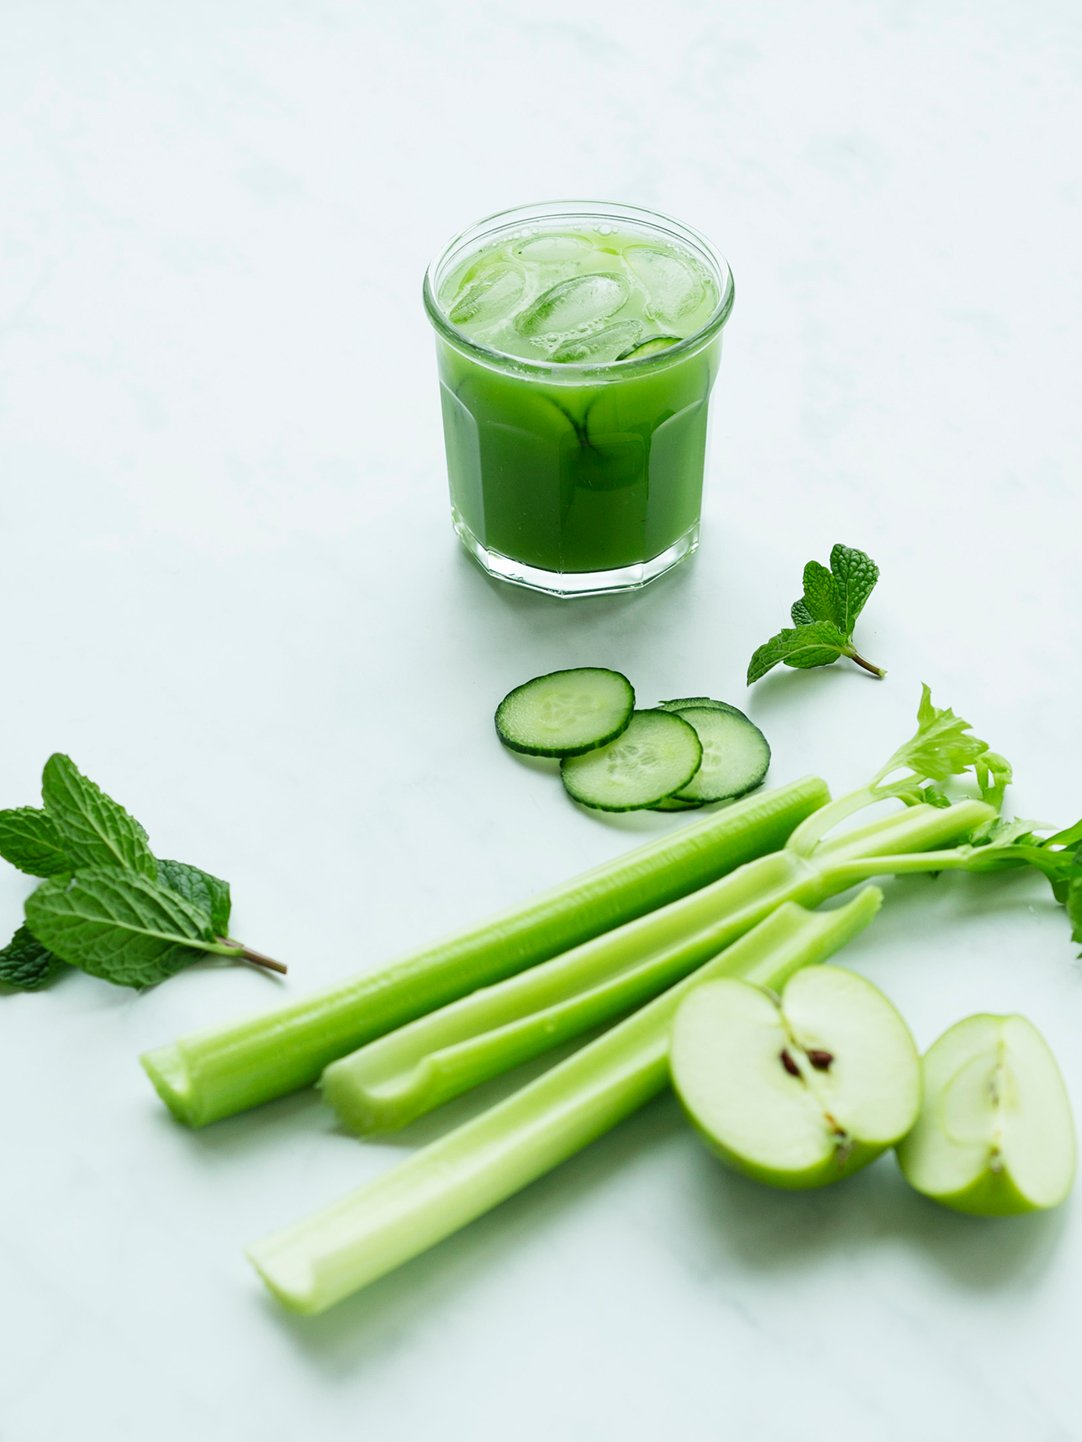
[[434, 1285], [251, 1131], [756, 1228], [462, 1109], [772, 694]]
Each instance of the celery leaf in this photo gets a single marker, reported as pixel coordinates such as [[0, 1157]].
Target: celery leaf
[[1058, 858], [943, 746], [1073, 903]]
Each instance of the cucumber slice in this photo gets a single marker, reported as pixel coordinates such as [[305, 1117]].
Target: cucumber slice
[[566, 712], [735, 753], [658, 754], [649, 347], [683, 703]]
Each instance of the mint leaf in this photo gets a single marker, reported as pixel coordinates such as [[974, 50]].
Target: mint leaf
[[121, 926], [205, 892], [821, 595], [855, 575], [29, 840], [94, 830], [824, 617], [26, 965], [816, 644]]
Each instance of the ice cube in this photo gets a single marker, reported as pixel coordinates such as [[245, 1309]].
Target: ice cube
[[543, 248], [604, 345], [579, 303], [674, 284], [488, 295]]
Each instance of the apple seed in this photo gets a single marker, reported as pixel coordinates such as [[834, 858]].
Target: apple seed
[[788, 1063]]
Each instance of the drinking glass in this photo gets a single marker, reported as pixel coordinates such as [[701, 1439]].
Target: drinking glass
[[570, 471]]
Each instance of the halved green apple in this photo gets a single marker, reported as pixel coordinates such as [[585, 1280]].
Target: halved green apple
[[995, 1135], [798, 1090]]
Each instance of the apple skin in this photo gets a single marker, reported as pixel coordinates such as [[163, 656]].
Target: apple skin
[[831, 1169], [992, 1195], [993, 1189], [727, 1043]]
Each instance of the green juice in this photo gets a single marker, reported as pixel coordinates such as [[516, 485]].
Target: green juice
[[576, 360]]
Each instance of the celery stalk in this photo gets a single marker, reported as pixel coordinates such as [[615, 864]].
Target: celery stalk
[[407, 1073], [317, 1262], [216, 1073]]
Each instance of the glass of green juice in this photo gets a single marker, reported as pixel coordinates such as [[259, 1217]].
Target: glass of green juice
[[577, 343]]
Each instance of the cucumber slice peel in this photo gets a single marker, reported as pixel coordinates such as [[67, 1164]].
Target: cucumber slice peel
[[657, 755], [566, 713], [685, 702], [674, 803]]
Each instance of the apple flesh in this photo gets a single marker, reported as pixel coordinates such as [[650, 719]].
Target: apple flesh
[[995, 1135], [798, 1090]]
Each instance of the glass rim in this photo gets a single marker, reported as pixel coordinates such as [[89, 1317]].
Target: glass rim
[[655, 220]]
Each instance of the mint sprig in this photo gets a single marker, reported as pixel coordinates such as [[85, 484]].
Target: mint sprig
[[121, 926], [824, 618], [107, 905]]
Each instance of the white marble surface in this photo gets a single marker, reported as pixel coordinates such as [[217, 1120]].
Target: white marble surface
[[229, 588]]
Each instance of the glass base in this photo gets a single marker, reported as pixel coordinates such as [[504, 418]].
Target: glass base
[[567, 584]]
